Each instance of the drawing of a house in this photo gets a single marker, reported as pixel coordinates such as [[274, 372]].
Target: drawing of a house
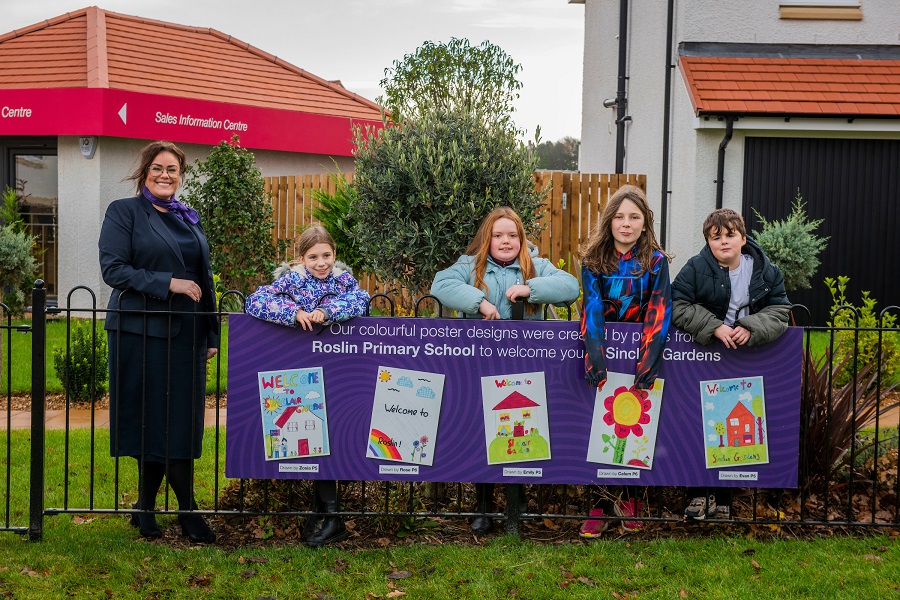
[[300, 431], [517, 405], [740, 426]]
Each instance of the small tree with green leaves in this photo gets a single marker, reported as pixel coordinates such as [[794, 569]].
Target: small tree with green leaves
[[424, 187], [17, 267], [12, 210], [792, 245], [449, 155], [229, 193], [452, 77]]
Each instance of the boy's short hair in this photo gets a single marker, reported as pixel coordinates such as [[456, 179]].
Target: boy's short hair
[[724, 220]]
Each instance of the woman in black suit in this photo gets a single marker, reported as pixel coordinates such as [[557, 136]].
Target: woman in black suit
[[154, 255]]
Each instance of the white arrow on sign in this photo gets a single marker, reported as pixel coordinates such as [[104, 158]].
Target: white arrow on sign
[[123, 113]]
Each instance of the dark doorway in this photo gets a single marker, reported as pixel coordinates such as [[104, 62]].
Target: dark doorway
[[30, 166], [854, 185]]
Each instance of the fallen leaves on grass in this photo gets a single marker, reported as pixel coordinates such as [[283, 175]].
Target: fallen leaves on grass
[[199, 581]]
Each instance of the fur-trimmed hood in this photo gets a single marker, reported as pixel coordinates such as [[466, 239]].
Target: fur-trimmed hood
[[285, 268]]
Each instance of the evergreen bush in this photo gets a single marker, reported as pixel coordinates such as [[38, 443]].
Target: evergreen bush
[[792, 245], [84, 370], [423, 188], [17, 267]]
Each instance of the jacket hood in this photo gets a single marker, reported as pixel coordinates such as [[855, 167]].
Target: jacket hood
[[284, 268]]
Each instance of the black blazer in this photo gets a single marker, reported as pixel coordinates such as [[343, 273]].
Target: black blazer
[[138, 259]]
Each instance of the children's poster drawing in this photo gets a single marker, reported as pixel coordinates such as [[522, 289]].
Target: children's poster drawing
[[516, 424], [625, 423], [405, 415], [294, 424], [734, 422]]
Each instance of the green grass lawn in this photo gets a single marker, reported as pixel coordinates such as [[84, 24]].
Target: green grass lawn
[[102, 556], [20, 377]]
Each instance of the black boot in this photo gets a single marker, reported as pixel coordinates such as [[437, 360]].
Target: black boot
[[332, 530], [484, 498], [314, 522], [145, 522], [196, 528]]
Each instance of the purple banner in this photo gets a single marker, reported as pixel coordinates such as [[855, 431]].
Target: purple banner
[[459, 381]]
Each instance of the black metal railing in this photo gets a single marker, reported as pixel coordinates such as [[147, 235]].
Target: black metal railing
[[848, 459]]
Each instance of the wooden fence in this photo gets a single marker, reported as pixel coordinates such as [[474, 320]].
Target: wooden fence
[[574, 200]]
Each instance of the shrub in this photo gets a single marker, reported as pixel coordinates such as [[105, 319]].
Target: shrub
[[229, 193], [423, 188], [836, 412], [82, 378], [864, 344], [17, 267], [333, 212], [792, 245]]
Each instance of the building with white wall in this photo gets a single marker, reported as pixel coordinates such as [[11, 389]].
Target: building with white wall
[[82, 93], [797, 94]]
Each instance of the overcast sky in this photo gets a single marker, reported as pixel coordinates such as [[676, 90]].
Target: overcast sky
[[355, 40]]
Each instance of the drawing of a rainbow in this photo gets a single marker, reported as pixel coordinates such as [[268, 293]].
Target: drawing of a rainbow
[[379, 450]]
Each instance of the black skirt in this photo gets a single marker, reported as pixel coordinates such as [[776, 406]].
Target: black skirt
[[157, 392]]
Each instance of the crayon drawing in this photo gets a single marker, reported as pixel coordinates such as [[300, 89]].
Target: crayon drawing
[[735, 432], [625, 423], [294, 423], [516, 424], [405, 413]]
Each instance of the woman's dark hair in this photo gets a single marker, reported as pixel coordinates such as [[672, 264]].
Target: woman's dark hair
[[148, 154]]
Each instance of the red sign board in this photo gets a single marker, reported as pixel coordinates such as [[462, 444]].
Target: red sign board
[[119, 113]]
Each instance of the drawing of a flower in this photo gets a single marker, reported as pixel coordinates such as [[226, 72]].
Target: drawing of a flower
[[424, 442], [627, 411]]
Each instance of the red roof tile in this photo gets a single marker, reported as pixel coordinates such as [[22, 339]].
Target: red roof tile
[[815, 86], [94, 48]]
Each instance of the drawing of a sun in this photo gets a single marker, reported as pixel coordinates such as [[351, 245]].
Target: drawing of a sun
[[384, 376], [272, 404]]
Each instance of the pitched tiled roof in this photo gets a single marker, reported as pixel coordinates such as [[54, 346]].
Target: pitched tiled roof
[[95, 48], [785, 85]]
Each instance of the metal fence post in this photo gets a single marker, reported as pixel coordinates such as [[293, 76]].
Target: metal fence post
[[38, 408]]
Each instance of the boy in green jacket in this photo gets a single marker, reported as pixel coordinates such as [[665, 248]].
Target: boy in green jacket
[[729, 292]]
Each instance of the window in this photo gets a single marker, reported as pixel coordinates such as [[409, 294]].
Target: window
[[292, 426], [733, 422], [30, 166]]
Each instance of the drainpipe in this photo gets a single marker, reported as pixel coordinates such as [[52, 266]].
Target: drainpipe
[[667, 110], [621, 99], [720, 172]]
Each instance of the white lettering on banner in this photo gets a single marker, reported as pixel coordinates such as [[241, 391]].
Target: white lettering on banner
[[235, 126], [166, 118], [519, 472], [397, 470], [15, 113], [619, 473], [291, 468], [738, 476]]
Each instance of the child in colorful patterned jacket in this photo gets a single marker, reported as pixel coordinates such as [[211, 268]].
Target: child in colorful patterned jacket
[[313, 290], [625, 278]]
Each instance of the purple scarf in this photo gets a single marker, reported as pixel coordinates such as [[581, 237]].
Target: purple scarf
[[173, 205]]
